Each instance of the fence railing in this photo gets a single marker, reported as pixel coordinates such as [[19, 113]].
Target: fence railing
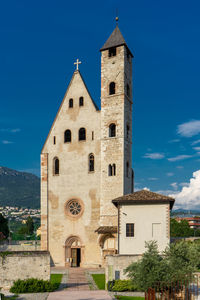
[[178, 290]]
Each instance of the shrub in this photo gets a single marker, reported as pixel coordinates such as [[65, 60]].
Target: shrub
[[110, 285], [123, 285], [33, 285]]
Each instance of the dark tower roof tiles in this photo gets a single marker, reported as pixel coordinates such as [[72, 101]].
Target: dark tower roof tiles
[[115, 39]]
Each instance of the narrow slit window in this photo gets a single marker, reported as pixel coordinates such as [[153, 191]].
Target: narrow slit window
[[127, 169], [81, 101], [112, 88], [128, 90], [129, 229], [91, 162], [127, 131], [67, 136], [54, 140], [82, 134], [70, 103], [92, 135], [112, 130]]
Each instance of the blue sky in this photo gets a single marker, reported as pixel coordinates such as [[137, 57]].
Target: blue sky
[[40, 40]]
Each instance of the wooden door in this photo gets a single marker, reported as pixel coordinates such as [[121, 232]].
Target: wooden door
[[74, 257]]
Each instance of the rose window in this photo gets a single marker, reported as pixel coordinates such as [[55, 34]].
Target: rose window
[[74, 207]]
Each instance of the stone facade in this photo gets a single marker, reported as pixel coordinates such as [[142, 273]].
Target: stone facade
[[71, 239], [23, 265]]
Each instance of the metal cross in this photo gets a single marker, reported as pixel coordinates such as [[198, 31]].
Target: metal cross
[[77, 63]]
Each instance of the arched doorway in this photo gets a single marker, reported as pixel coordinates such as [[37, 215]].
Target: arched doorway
[[107, 243], [73, 252]]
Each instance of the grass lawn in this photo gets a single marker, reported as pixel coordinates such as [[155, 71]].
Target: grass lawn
[[128, 298], [56, 278], [99, 280]]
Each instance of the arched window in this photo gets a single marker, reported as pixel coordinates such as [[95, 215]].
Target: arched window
[[112, 130], [128, 90], [112, 170], [127, 169], [81, 101], [112, 52], [127, 131], [56, 166], [112, 88], [91, 162], [82, 134], [67, 136], [70, 103]]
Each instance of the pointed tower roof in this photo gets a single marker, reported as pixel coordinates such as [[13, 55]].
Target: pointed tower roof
[[116, 39]]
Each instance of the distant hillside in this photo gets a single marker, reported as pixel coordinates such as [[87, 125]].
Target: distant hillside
[[19, 188]]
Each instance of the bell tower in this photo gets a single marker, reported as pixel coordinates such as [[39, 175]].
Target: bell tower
[[116, 124]]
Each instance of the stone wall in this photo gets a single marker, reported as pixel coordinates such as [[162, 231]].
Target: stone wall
[[23, 265], [115, 265]]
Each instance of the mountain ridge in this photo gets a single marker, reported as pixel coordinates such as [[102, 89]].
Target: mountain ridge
[[18, 188]]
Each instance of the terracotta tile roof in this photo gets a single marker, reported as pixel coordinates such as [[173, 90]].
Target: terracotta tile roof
[[143, 197], [106, 229], [114, 40]]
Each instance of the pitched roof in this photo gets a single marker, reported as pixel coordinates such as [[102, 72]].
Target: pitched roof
[[114, 40], [143, 197], [106, 229]]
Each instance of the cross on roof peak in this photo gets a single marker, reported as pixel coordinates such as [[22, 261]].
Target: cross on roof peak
[[77, 63]]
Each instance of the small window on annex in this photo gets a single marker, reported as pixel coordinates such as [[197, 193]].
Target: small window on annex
[[70, 103], [112, 130], [112, 88], [56, 166], [112, 52], [67, 136], [81, 101], [82, 134], [129, 229], [91, 162], [112, 170]]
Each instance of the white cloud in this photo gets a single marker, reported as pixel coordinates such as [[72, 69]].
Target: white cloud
[[174, 141], [189, 129], [189, 196], [196, 148], [146, 189], [14, 130], [174, 185], [154, 155], [152, 178], [184, 184], [5, 142], [195, 142], [179, 167], [179, 157], [169, 174]]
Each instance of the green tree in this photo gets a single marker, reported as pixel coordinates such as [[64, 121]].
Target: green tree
[[30, 225], [180, 229], [177, 263], [4, 226]]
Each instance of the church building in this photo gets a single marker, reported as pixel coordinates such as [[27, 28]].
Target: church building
[[86, 162]]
